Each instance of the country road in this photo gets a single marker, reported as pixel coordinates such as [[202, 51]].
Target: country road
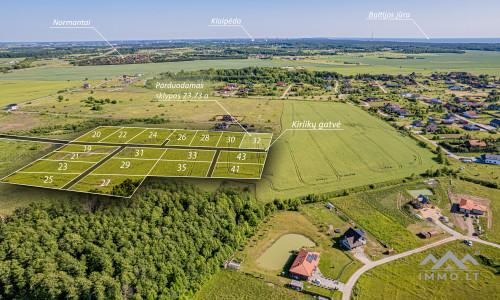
[[381, 87], [349, 285]]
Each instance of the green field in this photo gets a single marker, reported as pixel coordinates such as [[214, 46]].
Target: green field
[[53, 181], [142, 153], [98, 134], [169, 168], [152, 136], [87, 149], [366, 151], [181, 138], [231, 139], [241, 156], [257, 140], [477, 62], [206, 139], [123, 135], [49, 166], [231, 285], [125, 166], [400, 279], [189, 155], [22, 91], [76, 156], [237, 170], [102, 184]]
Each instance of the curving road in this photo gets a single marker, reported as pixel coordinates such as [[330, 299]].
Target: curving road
[[349, 285]]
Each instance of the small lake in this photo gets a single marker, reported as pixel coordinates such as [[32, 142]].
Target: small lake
[[278, 254]]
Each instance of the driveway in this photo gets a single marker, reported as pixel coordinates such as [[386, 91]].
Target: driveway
[[326, 282]]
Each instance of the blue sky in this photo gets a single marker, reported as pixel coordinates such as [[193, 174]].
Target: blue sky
[[30, 20]]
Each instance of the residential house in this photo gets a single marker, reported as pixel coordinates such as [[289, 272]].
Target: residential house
[[431, 128], [469, 207], [371, 99], [460, 100], [471, 114], [455, 87], [353, 238], [86, 85], [417, 123], [403, 112], [494, 107], [448, 121], [495, 123], [228, 118], [491, 159], [304, 264], [281, 84], [392, 107], [436, 101], [470, 127], [396, 86], [299, 83], [475, 143], [421, 201]]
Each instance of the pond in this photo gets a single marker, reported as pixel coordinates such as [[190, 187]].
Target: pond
[[276, 256], [425, 192]]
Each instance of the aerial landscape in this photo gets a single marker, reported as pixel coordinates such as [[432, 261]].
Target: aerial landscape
[[279, 150]]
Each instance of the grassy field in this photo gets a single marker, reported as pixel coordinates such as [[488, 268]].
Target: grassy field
[[12, 91], [101, 184], [108, 71], [332, 258], [181, 169], [477, 62], [237, 170], [400, 279], [189, 155], [366, 151], [227, 284]]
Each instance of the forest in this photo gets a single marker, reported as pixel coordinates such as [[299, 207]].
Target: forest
[[162, 244]]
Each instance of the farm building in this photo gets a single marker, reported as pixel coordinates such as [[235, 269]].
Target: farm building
[[304, 264], [425, 234], [329, 205], [296, 285], [86, 85], [468, 207], [354, 238], [491, 159], [433, 233]]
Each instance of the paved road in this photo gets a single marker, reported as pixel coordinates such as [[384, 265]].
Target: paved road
[[347, 288], [448, 153]]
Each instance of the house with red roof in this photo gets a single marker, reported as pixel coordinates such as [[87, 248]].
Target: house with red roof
[[475, 143], [468, 207], [304, 264]]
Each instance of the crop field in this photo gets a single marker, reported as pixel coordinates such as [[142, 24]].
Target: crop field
[[12, 91], [366, 151], [400, 279], [85, 165], [178, 137], [110, 71]]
